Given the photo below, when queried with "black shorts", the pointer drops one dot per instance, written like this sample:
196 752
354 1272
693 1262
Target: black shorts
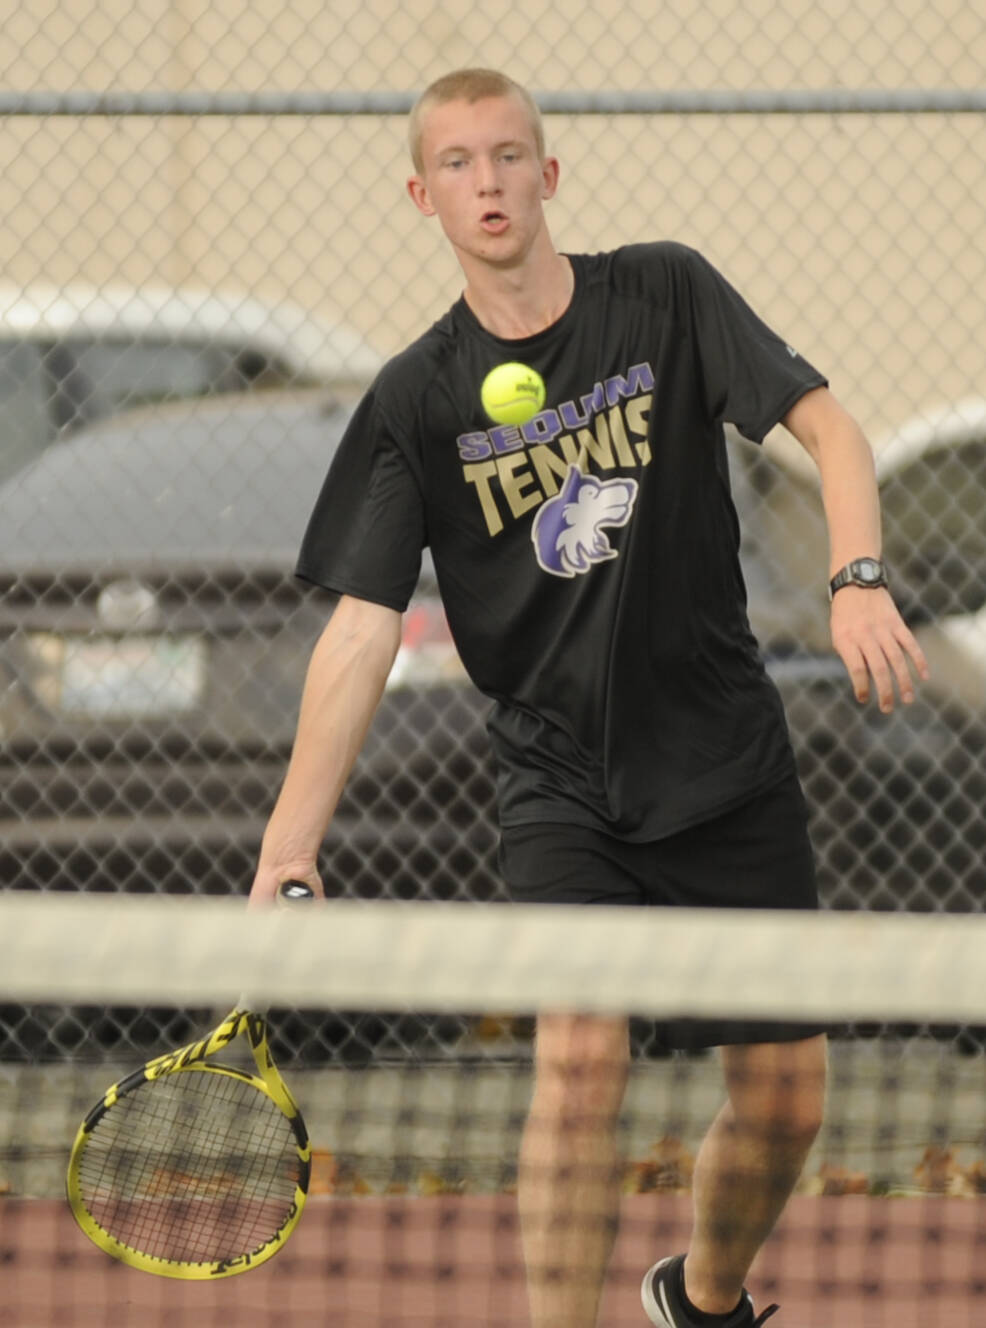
755 855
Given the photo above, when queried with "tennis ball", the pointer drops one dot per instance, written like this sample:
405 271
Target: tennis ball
512 393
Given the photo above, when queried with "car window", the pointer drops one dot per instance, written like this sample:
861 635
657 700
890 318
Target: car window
26 425
47 389
119 375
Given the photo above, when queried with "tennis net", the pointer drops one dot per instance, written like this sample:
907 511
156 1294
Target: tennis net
412 1215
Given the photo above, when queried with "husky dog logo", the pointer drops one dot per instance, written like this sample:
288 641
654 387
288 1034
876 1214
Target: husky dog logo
568 529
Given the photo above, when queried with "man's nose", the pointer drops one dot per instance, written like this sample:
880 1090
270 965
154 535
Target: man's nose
487 176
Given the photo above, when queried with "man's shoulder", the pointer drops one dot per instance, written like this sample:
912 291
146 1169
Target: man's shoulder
419 362
649 270
658 261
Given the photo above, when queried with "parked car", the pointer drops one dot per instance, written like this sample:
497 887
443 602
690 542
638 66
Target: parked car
75 354
896 802
897 806
932 477
153 644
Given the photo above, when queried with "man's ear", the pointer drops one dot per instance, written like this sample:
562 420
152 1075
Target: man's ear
418 191
550 170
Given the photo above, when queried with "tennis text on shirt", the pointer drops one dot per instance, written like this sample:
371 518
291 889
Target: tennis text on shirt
513 469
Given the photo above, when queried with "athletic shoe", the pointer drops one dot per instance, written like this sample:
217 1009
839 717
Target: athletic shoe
662 1296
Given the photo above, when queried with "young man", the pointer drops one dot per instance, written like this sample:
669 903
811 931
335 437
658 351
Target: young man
588 565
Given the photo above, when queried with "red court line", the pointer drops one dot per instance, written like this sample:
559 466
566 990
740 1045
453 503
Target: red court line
454 1262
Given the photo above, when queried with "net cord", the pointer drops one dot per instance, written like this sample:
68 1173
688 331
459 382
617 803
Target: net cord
471 958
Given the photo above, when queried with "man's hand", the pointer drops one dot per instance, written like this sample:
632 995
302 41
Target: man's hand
876 645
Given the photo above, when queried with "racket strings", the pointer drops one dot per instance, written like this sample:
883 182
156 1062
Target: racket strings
193 1167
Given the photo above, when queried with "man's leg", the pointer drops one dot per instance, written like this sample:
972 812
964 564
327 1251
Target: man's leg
750 1161
569 1175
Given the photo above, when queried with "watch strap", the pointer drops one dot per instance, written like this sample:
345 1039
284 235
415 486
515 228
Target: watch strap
869 573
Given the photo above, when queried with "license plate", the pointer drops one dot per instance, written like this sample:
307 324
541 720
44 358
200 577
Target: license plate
131 677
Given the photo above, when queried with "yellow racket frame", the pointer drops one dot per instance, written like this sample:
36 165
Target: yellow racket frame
193 1059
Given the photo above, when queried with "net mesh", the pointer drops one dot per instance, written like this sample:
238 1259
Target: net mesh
420 1147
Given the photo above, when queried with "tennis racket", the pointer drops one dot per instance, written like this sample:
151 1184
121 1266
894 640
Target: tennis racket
190 1168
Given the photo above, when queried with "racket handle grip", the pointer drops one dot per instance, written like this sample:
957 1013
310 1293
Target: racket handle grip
294 892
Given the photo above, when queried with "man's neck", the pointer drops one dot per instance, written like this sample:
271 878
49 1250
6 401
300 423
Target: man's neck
522 301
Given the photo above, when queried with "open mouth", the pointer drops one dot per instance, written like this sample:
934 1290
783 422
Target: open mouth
493 219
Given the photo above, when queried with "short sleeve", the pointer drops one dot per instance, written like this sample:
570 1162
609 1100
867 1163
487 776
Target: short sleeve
752 376
367 529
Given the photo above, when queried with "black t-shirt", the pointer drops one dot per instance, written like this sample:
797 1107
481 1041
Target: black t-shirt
587 560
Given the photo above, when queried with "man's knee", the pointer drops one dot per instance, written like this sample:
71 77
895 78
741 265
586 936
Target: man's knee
581 1065
779 1088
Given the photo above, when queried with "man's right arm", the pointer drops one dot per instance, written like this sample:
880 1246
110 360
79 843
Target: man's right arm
345 680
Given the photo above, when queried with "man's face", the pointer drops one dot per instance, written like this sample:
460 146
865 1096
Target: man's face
483 179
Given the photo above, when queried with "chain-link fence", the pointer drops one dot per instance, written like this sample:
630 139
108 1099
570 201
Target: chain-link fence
208 250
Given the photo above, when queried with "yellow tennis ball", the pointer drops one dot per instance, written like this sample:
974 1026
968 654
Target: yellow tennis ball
512 393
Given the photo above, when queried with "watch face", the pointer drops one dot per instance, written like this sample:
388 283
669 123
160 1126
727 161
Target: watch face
868 569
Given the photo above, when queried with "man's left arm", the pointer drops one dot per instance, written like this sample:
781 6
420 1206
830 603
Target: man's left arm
868 632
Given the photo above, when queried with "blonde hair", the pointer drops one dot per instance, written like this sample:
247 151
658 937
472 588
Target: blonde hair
470 85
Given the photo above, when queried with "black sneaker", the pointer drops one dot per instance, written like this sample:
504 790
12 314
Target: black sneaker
662 1296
